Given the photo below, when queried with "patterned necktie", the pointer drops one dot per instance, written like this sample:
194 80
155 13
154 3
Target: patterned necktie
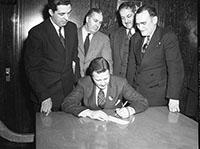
87 43
62 39
101 99
129 34
144 47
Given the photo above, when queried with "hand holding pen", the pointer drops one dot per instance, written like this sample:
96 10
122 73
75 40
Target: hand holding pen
123 112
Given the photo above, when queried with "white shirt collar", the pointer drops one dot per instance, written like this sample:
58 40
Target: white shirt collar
85 33
132 31
57 28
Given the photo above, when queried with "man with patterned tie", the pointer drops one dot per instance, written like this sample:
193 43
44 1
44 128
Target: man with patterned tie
51 50
120 38
100 91
92 42
62 38
155 66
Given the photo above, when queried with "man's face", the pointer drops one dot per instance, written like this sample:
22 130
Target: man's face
61 16
146 23
102 79
127 17
93 22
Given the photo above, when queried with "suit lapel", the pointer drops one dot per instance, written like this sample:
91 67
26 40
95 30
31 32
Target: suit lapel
138 44
67 38
92 50
92 99
111 91
153 42
108 90
80 39
53 36
122 38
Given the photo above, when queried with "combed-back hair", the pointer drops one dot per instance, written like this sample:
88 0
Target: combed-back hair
98 65
90 12
52 4
127 5
152 10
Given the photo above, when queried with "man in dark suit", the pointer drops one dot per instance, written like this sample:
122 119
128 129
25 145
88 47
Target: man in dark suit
51 50
101 91
119 38
155 66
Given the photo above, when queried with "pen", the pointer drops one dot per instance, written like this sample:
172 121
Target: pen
117 102
124 104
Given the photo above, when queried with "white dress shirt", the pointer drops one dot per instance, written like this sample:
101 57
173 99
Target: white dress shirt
85 33
132 31
57 28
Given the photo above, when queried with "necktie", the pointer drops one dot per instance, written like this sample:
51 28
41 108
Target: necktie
62 39
87 43
129 34
101 99
144 47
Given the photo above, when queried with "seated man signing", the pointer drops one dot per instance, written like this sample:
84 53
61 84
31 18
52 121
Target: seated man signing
100 91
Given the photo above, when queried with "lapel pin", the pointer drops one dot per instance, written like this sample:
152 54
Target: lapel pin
159 43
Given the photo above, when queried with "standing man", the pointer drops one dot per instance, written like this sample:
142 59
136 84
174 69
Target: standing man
50 51
101 91
119 39
92 42
155 66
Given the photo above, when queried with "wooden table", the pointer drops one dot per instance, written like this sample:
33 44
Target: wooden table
156 128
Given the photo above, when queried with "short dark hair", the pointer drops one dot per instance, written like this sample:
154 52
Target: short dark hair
52 4
127 5
152 10
98 65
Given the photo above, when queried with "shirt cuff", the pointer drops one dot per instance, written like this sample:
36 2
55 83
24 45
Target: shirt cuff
85 113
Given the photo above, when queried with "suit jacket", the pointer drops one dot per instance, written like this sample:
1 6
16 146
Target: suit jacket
119 39
83 96
99 47
48 64
159 74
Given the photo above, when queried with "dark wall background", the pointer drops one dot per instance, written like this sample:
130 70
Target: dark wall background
17 17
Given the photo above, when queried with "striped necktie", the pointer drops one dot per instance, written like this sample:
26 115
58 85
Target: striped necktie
129 34
145 45
62 39
101 99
